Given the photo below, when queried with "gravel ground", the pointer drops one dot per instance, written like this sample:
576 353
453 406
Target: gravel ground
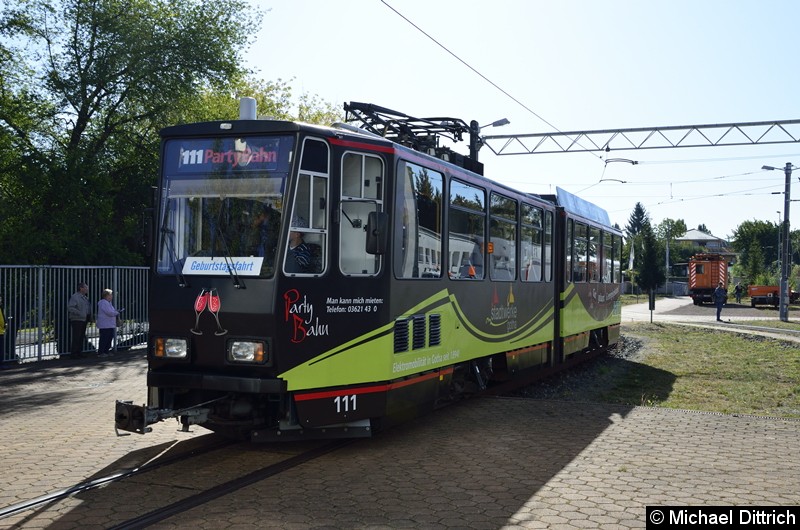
588 381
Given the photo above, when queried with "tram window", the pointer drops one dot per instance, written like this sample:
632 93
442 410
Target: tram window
608 257
467 231
315 156
222 198
531 244
592 255
579 248
503 247
418 222
548 246
309 221
362 177
570 249
617 246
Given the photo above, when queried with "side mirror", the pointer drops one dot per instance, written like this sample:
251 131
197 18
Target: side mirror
377 232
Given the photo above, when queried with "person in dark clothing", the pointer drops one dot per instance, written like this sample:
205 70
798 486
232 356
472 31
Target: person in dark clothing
80 313
720 297
737 291
299 257
2 333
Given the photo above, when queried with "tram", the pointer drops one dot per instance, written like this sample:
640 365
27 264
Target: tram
321 282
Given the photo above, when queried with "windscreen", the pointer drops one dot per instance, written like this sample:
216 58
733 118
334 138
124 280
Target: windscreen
222 203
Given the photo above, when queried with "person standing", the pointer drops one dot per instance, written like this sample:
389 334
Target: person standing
720 297
106 322
2 333
738 292
80 312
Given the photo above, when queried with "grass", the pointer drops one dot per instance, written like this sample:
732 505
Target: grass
706 370
793 325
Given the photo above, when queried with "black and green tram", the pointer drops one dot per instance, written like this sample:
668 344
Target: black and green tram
314 281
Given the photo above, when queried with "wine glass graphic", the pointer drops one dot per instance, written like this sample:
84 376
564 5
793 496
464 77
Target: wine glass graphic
214 306
200 306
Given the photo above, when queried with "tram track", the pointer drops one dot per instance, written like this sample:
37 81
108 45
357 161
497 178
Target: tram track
114 477
177 507
231 486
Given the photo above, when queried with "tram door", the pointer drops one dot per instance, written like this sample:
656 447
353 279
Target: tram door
361 193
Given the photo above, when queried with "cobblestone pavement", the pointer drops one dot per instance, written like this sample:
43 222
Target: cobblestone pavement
485 463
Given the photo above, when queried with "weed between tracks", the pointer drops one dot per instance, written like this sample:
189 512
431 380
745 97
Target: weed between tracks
673 366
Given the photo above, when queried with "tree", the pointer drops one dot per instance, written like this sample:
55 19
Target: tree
752 264
756 242
98 81
636 221
669 229
702 228
666 231
650 270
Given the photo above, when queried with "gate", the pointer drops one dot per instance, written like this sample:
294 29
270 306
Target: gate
35 307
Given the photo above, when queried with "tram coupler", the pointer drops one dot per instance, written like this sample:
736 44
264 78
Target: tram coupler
130 418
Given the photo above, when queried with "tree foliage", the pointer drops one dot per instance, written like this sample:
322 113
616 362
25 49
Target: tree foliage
752 264
90 85
636 221
650 270
756 242
669 229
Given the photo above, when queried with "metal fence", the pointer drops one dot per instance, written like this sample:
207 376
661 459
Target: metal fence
35 307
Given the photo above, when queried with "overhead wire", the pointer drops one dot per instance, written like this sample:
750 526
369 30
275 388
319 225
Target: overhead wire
541 118
465 63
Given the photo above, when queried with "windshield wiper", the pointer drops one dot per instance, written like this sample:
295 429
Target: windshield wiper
239 284
169 243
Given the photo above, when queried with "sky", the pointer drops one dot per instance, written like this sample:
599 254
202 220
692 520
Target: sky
576 65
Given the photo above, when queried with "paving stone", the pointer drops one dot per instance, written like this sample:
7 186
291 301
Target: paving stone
483 464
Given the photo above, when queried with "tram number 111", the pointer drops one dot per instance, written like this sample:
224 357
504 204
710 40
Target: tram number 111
345 403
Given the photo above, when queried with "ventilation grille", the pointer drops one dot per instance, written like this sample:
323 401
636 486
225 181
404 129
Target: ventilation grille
400 335
419 331
424 331
434 330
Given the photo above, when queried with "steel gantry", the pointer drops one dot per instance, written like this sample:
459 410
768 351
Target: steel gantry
711 135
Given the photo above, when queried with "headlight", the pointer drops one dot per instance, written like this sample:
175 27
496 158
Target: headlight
171 348
244 351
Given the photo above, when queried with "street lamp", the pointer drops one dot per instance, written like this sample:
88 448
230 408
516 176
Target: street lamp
475 140
784 252
497 123
779 248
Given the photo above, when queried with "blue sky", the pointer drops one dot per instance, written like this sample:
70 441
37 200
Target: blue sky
570 65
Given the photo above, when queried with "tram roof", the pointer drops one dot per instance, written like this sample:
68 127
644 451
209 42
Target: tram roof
577 206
